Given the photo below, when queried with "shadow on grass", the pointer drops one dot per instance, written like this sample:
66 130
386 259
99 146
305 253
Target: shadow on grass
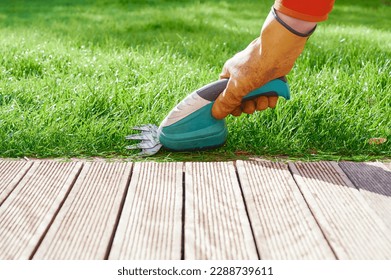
210 31
143 23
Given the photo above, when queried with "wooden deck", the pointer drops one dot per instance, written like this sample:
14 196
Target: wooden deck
195 210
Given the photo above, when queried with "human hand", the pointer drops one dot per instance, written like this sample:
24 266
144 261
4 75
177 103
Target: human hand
237 70
268 57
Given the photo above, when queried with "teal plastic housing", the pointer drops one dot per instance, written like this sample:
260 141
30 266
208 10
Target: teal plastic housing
200 130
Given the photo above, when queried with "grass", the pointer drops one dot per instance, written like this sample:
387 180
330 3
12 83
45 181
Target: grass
75 76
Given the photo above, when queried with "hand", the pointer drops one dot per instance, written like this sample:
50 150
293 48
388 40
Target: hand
268 57
235 65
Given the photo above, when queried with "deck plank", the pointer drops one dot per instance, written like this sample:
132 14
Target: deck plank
150 226
11 172
84 227
216 222
388 164
31 207
352 228
374 182
283 225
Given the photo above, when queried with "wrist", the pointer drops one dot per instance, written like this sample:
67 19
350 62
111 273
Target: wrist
297 26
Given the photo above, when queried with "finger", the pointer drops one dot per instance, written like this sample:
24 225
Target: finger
236 112
273 101
226 102
249 106
224 72
224 75
262 103
218 109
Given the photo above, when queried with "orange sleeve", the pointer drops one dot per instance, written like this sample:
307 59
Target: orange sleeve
308 10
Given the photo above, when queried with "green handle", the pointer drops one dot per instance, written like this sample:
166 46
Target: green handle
277 87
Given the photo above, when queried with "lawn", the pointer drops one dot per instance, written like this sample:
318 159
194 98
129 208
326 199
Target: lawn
76 75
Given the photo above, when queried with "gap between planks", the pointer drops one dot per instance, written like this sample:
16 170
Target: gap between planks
85 225
352 227
32 206
11 173
183 238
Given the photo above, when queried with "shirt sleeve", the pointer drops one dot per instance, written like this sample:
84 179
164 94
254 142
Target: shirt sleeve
308 10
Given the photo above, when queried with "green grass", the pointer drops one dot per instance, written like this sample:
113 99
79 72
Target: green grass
75 76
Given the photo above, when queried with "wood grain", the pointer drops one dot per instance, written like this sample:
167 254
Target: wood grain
11 172
374 182
283 226
85 225
151 221
194 210
29 210
352 228
216 222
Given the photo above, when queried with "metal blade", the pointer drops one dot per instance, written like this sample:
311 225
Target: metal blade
146 149
145 127
142 145
145 136
149 137
150 151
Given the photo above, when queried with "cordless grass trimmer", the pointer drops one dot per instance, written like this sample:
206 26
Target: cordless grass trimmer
190 125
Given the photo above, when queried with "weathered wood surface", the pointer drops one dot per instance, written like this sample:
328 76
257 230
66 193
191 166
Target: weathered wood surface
374 182
283 226
352 228
150 226
29 210
220 210
216 222
11 172
84 226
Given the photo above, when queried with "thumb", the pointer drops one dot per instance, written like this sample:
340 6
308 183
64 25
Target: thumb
226 102
224 73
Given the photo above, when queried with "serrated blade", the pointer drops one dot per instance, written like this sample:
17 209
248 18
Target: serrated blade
149 138
146 127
